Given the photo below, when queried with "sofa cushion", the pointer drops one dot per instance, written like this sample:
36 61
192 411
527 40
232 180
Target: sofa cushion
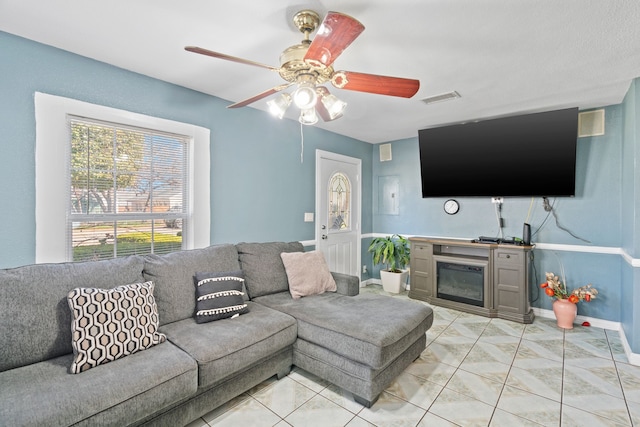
118 393
108 324
307 273
173 275
219 295
33 305
369 329
230 345
263 268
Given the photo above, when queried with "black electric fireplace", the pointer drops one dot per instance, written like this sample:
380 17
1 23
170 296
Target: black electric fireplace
461 280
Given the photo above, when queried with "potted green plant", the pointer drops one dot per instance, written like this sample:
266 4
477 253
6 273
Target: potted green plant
394 252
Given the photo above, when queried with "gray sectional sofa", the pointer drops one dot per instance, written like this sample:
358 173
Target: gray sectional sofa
358 342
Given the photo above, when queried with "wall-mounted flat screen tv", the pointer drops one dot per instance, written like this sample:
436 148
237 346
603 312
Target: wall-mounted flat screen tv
525 155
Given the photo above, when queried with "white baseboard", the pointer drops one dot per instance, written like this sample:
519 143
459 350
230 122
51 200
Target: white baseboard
598 323
364 283
634 358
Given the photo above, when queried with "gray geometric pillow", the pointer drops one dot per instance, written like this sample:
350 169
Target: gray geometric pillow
108 324
219 296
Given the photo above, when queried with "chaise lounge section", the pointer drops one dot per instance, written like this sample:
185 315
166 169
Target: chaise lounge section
358 342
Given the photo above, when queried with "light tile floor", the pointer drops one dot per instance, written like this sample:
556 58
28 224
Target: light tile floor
475 371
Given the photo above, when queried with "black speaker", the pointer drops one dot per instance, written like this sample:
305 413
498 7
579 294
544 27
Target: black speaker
526 234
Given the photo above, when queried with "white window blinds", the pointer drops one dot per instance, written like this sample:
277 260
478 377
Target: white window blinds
128 190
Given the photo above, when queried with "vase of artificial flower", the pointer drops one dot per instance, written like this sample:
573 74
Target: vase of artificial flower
565 312
565 306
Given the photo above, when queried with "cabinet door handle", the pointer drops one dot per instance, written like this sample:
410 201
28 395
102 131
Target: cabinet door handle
508 256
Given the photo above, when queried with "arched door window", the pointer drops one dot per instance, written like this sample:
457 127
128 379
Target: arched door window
339 202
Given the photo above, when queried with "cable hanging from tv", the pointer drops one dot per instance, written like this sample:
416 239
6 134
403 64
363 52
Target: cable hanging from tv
549 208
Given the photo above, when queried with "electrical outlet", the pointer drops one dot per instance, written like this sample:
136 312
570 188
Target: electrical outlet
498 200
364 269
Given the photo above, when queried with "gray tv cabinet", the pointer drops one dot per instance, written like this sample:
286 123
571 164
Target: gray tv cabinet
506 276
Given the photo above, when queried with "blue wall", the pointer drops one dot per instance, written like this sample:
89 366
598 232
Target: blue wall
630 216
597 201
260 189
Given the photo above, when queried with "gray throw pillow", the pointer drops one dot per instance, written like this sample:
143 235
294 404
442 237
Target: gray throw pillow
219 296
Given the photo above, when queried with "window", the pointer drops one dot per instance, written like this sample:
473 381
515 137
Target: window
111 183
128 190
339 202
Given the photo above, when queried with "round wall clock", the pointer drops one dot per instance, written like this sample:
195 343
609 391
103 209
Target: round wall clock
451 206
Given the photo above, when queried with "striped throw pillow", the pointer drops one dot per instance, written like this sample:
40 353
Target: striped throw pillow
219 296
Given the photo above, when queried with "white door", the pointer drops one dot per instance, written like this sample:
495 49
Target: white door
338 201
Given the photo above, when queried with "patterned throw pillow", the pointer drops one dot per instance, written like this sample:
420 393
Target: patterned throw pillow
108 324
219 295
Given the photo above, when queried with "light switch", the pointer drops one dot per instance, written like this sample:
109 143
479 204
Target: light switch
308 217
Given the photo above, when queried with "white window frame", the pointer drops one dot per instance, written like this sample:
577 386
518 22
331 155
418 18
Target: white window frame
52 170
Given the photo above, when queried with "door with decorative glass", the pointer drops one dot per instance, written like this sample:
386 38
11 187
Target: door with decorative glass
338 211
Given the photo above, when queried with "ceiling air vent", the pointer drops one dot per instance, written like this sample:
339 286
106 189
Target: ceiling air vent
442 97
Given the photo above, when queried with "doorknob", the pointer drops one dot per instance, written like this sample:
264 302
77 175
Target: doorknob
324 237
324 227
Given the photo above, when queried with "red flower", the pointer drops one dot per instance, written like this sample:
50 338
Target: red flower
544 285
587 297
549 292
574 299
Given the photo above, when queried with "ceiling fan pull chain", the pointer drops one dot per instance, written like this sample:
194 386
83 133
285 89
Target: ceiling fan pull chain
301 143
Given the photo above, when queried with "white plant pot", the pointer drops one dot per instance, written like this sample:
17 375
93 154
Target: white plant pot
393 282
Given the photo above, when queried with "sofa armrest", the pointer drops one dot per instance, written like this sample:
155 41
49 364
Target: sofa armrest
347 284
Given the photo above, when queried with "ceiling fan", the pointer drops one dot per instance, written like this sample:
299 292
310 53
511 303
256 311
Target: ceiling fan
309 64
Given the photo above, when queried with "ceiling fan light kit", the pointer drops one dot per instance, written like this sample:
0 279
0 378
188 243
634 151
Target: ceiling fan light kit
278 106
308 65
308 117
334 106
305 95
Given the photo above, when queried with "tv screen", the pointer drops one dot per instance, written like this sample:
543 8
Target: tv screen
526 155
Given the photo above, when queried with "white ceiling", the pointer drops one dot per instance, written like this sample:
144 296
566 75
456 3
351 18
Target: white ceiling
502 56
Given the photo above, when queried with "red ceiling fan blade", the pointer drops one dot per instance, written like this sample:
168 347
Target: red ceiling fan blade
334 35
259 96
202 51
373 83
